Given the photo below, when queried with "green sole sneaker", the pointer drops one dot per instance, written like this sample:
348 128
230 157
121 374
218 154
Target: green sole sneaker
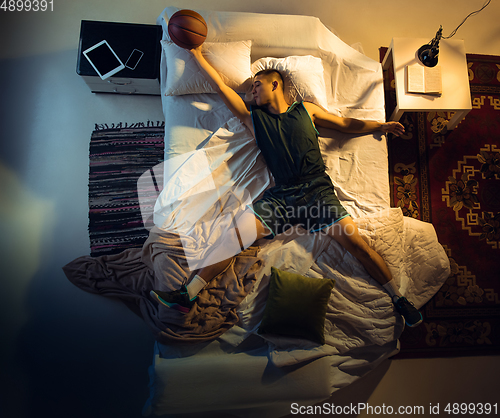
178 299
410 314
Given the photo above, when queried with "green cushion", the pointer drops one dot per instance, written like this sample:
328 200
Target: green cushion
296 306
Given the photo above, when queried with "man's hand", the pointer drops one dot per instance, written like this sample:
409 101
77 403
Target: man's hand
328 120
196 51
393 128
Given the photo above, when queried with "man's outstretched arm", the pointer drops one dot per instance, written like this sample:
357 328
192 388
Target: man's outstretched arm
231 99
325 119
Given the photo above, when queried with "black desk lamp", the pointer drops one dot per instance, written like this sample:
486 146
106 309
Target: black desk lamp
428 54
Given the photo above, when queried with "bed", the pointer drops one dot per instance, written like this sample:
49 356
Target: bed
212 167
361 326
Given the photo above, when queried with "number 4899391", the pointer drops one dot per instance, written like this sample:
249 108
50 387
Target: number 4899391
27 6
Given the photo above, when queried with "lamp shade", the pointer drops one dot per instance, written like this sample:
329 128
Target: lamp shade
428 55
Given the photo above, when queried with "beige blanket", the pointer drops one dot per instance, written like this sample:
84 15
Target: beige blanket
161 264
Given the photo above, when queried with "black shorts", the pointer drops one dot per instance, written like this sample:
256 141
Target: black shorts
313 205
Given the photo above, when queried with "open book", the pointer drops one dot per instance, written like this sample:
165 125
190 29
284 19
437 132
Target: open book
422 79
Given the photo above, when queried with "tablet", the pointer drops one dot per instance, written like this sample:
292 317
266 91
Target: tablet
104 60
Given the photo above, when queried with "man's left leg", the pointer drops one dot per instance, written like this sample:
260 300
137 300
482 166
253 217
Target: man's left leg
245 231
346 233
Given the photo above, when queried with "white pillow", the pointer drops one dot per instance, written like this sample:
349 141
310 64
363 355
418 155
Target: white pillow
303 76
230 59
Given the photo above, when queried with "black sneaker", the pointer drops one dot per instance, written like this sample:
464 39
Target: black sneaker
178 299
410 314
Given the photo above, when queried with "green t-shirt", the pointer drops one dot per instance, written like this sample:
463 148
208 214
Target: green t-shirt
289 143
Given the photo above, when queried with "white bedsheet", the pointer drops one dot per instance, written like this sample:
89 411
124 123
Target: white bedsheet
361 327
361 313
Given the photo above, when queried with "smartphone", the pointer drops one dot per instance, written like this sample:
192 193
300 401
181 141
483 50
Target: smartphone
134 59
103 59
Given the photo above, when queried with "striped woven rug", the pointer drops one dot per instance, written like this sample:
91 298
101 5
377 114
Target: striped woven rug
119 155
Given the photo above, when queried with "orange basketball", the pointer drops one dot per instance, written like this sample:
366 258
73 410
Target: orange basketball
187 29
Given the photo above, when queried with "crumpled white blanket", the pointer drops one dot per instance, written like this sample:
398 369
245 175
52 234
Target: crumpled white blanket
361 317
193 182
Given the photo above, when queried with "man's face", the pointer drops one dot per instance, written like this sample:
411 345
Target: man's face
262 90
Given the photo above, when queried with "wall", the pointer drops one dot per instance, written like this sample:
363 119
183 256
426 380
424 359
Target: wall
373 23
68 353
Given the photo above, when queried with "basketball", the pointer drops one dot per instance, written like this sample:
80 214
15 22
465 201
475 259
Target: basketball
187 29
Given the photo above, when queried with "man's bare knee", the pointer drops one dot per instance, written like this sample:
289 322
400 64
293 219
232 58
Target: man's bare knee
248 228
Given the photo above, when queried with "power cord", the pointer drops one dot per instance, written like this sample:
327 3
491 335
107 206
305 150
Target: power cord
463 21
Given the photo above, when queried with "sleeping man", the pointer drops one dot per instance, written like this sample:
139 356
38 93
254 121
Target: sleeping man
303 192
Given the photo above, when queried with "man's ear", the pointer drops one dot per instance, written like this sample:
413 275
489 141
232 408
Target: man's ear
275 85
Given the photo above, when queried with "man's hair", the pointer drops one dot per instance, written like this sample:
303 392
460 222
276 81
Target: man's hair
271 73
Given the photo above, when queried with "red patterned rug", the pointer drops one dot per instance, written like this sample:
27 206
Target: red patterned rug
452 179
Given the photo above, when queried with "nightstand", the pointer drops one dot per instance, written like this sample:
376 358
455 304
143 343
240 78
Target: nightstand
455 95
123 38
